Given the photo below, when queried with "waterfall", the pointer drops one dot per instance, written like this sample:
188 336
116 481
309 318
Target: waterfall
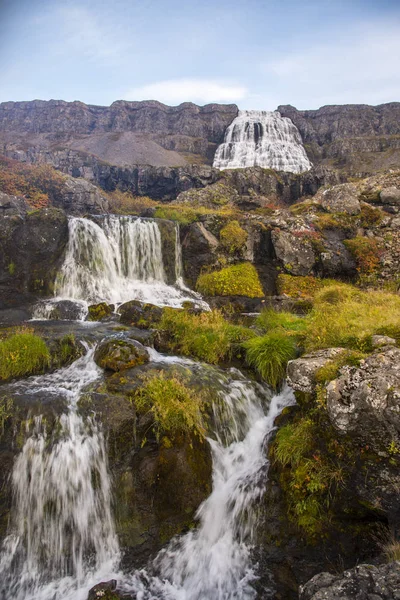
262 139
115 259
62 537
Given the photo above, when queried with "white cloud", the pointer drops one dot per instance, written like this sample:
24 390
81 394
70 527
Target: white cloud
360 66
175 91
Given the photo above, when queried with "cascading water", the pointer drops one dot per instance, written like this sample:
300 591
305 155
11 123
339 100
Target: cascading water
62 538
114 260
262 139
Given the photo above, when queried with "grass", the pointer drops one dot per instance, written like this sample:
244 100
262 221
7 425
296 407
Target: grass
301 287
287 322
236 280
125 203
22 354
330 370
176 408
185 215
206 336
270 354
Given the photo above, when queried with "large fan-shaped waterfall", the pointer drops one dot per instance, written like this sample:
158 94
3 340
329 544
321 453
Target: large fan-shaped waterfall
259 138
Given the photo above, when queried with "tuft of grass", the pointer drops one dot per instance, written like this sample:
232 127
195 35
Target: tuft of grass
233 237
236 280
206 336
270 354
176 408
22 354
391 550
291 324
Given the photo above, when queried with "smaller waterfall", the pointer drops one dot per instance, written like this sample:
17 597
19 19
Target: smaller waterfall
62 531
262 139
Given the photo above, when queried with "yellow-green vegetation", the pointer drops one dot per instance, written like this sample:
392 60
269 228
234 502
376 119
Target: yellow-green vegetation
125 203
309 478
176 408
391 550
185 214
344 315
97 312
206 336
301 208
22 354
233 237
236 280
270 354
301 287
11 268
6 411
366 252
331 369
284 321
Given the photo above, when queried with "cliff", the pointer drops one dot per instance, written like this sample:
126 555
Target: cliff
123 133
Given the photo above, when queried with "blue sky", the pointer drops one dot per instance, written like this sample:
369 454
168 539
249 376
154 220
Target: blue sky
256 53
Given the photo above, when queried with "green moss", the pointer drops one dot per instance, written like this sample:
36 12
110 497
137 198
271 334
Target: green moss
270 354
97 312
22 354
237 280
233 237
176 408
11 268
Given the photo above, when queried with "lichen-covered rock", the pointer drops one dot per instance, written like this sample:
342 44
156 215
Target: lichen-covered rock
301 371
365 582
365 401
98 312
138 314
294 253
117 353
341 198
336 260
390 196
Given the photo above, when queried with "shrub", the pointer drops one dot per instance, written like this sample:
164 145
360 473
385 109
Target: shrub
270 354
206 336
366 252
176 408
236 280
126 204
22 354
233 237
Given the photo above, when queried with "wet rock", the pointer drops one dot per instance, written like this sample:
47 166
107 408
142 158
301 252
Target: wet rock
60 310
138 314
107 590
341 198
117 353
365 582
365 401
301 371
99 312
294 253
198 250
390 196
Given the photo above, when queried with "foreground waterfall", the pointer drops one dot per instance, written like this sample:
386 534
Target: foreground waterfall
114 260
62 535
213 562
262 139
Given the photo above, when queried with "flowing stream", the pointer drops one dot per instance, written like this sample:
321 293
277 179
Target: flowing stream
259 138
62 537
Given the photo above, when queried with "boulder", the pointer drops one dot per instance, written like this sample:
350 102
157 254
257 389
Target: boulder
79 197
294 253
390 196
138 314
100 311
365 401
198 250
107 590
341 198
301 371
117 353
365 582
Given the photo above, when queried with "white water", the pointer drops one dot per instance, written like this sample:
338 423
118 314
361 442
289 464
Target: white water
62 538
258 138
115 260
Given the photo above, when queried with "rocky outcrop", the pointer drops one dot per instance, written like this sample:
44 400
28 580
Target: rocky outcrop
198 250
295 253
340 199
80 197
143 132
365 582
301 371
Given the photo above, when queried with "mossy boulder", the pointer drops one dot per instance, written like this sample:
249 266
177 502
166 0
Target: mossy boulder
236 280
138 314
99 312
119 353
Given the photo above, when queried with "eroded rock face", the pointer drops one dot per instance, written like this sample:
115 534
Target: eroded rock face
198 249
301 371
365 582
340 198
117 353
80 197
365 401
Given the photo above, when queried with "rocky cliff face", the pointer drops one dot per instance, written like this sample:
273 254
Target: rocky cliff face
359 137
138 132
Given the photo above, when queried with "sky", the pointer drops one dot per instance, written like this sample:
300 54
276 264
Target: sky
254 53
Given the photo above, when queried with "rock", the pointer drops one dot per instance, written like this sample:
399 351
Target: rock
365 582
336 260
107 590
198 250
99 312
301 371
59 310
294 253
12 205
143 316
365 401
80 197
117 353
382 340
390 196
340 198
